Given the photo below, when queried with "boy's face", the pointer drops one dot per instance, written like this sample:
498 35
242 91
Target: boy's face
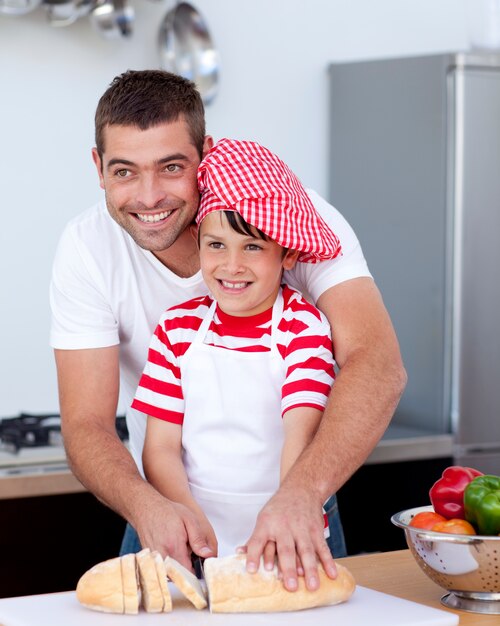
242 272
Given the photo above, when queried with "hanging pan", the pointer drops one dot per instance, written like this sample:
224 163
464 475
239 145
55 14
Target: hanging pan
186 48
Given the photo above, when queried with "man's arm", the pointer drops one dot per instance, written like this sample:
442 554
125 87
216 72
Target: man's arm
88 393
360 407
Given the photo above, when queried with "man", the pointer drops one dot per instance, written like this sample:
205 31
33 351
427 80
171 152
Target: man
121 263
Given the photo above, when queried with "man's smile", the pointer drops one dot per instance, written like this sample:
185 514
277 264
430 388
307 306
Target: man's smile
150 218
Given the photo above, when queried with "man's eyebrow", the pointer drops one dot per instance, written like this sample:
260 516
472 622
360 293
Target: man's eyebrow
119 161
167 159
173 157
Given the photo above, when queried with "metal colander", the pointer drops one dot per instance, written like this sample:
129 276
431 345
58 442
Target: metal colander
468 566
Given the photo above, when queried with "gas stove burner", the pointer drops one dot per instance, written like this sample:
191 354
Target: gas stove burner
29 431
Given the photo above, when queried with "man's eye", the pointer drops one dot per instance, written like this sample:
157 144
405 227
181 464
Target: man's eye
123 173
173 167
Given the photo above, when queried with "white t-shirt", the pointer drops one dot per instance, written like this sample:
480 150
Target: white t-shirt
106 290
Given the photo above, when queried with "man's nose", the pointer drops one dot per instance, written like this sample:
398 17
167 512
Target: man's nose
150 191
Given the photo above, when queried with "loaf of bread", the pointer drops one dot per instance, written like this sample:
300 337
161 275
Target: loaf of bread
122 584
231 589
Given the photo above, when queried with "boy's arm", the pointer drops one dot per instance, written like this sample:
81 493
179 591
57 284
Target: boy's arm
164 469
299 425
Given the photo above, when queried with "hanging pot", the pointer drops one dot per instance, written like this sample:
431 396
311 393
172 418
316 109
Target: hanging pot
66 12
18 7
113 18
187 49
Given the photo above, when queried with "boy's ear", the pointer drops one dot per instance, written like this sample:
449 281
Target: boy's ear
290 259
193 229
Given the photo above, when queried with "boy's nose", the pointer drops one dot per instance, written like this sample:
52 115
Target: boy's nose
234 263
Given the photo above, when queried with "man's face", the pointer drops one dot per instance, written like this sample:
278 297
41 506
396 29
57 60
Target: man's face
149 178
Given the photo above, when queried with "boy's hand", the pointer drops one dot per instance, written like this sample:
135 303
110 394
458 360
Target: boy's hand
291 527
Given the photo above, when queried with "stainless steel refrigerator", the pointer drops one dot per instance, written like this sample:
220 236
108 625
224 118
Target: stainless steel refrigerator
415 167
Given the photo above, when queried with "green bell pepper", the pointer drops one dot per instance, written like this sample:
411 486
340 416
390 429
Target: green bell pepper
482 504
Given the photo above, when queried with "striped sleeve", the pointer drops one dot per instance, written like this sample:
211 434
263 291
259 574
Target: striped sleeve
306 346
159 392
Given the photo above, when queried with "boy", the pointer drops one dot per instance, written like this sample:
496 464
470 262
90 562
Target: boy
236 382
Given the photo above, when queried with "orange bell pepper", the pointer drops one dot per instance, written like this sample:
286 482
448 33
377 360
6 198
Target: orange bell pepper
454 527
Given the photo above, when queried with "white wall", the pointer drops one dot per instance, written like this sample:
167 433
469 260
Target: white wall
273 89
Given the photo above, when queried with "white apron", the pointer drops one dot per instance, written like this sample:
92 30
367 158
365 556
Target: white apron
232 434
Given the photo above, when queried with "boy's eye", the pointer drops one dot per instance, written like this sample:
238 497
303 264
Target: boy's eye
254 246
215 244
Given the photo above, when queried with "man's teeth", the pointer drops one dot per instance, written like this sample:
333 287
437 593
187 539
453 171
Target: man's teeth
147 217
233 285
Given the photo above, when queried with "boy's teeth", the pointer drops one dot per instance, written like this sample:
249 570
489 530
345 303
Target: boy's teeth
147 217
233 285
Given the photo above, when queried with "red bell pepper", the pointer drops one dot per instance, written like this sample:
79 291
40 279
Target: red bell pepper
447 493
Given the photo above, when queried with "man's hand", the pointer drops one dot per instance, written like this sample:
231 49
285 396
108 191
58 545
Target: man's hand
291 527
174 531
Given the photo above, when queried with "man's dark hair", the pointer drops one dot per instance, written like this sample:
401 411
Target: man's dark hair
147 98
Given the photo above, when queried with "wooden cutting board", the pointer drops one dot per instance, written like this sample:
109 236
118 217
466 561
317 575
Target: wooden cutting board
365 607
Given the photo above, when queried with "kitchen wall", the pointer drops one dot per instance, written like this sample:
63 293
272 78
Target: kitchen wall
273 89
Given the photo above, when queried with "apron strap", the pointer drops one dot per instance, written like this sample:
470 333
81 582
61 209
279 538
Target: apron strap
277 315
205 324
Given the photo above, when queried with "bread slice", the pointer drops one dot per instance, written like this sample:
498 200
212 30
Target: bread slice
231 589
186 582
101 588
152 596
161 572
130 584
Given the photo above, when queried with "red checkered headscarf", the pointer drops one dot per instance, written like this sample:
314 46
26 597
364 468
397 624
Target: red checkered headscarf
245 177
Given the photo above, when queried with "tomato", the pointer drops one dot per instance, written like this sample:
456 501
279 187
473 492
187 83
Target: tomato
455 527
426 520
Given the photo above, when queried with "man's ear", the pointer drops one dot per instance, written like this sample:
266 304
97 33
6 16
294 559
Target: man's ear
98 163
290 259
208 144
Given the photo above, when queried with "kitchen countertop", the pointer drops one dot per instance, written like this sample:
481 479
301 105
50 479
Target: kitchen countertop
406 443
49 482
399 444
397 574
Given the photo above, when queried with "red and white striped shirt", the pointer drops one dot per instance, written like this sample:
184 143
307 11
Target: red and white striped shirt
303 340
